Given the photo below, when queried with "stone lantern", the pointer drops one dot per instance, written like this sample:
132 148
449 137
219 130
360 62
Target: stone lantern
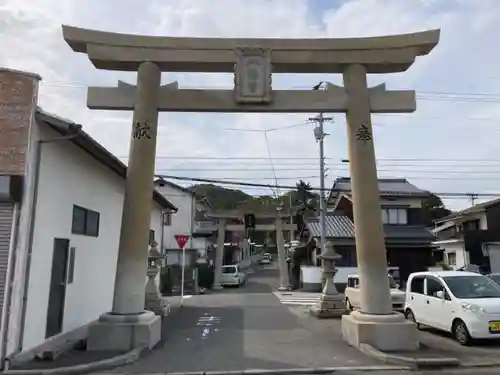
153 301
331 303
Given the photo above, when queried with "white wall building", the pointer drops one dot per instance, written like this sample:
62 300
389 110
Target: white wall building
450 232
64 240
187 220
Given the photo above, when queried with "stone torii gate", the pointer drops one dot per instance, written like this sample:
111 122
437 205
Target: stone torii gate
252 61
222 226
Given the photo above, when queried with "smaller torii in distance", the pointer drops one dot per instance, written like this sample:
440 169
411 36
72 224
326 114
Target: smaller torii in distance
222 226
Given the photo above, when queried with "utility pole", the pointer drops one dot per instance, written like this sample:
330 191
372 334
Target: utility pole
472 198
319 134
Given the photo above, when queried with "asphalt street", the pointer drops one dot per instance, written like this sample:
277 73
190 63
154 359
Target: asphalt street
246 328
473 371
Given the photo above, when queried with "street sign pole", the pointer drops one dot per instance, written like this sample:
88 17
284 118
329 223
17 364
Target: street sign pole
182 239
183 275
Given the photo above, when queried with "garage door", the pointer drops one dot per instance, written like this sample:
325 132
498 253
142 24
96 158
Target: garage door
6 211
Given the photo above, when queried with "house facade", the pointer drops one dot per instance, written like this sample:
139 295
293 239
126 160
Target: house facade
189 219
407 239
470 236
61 218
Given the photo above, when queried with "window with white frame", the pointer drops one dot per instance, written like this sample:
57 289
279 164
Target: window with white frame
394 216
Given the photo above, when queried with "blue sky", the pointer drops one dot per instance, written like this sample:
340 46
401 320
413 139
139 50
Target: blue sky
451 140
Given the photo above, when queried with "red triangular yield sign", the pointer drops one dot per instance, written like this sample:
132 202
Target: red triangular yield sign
181 239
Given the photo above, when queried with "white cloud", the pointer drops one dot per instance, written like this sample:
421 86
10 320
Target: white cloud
466 61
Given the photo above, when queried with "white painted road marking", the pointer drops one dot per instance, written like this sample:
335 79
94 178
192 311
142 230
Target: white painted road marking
207 321
298 298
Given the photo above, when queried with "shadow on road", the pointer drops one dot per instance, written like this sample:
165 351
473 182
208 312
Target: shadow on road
213 338
245 328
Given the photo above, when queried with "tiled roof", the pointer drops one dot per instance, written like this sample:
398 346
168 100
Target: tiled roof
387 186
336 226
407 232
477 208
340 226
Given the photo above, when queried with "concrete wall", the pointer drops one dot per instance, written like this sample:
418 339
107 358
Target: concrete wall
14 332
18 99
457 248
69 176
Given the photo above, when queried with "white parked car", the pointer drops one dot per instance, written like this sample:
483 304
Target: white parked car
232 276
264 260
353 297
464 303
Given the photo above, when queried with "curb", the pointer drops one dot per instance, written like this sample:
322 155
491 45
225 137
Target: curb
480 364
284 371
414 363
104 364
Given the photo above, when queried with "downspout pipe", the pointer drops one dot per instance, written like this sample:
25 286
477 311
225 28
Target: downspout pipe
162 233
38 160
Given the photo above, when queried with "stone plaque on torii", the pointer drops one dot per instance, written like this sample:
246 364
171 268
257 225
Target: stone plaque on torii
354 58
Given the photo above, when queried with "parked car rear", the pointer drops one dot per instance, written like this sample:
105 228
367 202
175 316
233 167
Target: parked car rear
265 258
268 255
353 297
232 276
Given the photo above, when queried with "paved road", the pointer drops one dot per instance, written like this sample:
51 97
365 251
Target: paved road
246 328
435 372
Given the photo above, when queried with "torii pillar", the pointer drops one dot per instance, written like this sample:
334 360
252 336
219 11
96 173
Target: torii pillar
129 325
376 323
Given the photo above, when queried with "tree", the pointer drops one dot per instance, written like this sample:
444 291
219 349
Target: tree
303 198
434 208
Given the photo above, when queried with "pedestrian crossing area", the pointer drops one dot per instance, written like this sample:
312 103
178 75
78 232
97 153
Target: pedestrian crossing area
297 298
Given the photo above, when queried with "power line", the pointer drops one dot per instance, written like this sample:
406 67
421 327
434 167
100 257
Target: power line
451 160
408 177
465 196
274 170
488 168
75 84
269 186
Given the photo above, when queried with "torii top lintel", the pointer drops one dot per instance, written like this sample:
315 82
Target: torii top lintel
125 52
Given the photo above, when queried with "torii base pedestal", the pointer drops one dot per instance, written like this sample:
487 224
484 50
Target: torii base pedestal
391 332
124 332
328 307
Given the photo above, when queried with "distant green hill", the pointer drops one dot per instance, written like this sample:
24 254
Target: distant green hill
221 198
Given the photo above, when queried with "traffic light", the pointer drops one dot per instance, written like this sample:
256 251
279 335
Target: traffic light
249 221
